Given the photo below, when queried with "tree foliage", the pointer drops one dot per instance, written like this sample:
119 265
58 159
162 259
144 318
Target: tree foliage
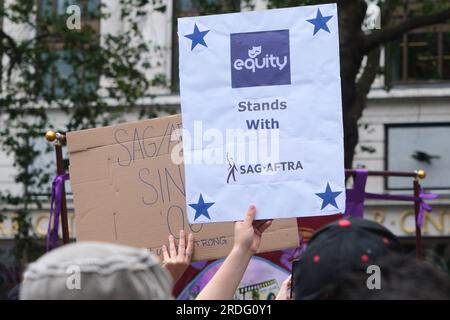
91 77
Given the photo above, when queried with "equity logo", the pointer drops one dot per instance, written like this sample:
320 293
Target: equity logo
253 63
254 52
260 59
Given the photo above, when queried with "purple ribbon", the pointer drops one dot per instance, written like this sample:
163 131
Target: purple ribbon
420 198
55 210
355 197
424 206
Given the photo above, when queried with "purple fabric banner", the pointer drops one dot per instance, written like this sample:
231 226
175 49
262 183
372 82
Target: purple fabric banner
357 195
55 210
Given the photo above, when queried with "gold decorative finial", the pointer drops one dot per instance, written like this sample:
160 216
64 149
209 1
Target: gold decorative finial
421 174
59 138
50 135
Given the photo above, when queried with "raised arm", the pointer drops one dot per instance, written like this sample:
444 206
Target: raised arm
247 238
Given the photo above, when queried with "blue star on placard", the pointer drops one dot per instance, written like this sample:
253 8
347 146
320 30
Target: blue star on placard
197 37
201 208
320 22
329 197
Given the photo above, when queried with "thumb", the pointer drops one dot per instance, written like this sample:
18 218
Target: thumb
250 216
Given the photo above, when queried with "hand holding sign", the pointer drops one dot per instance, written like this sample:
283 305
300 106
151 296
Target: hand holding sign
248 233
177 262
247 238
285 290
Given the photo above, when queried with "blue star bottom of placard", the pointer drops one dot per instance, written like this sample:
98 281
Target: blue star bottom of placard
328 197
201 208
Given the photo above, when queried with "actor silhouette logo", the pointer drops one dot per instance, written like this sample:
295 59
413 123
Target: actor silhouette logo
254 52
260 59
232 169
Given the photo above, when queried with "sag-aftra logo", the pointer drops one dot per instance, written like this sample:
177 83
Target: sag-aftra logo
260 59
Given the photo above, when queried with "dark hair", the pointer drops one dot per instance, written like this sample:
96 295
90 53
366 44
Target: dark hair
338 249
402 278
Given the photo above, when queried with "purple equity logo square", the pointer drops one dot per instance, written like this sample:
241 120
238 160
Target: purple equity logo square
260 59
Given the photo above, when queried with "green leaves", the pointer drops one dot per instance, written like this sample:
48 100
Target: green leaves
92 78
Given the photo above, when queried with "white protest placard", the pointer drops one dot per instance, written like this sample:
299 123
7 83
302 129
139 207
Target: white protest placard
262 116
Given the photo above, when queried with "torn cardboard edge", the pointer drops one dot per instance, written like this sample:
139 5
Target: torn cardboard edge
82 140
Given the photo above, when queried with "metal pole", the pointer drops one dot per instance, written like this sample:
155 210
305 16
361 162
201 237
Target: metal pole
59 141
419 173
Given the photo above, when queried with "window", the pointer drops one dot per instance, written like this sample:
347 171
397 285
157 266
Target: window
61 75
446 55
409 147
422 55
1 44
90 9
189 8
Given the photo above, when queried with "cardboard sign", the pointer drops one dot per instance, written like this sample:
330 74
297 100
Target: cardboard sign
127 190
261 105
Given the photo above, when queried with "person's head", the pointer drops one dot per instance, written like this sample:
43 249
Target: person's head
96 270
400 278
338 249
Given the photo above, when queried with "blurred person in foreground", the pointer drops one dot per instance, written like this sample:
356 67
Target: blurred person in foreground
343 258
338 249
111 271
401 278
